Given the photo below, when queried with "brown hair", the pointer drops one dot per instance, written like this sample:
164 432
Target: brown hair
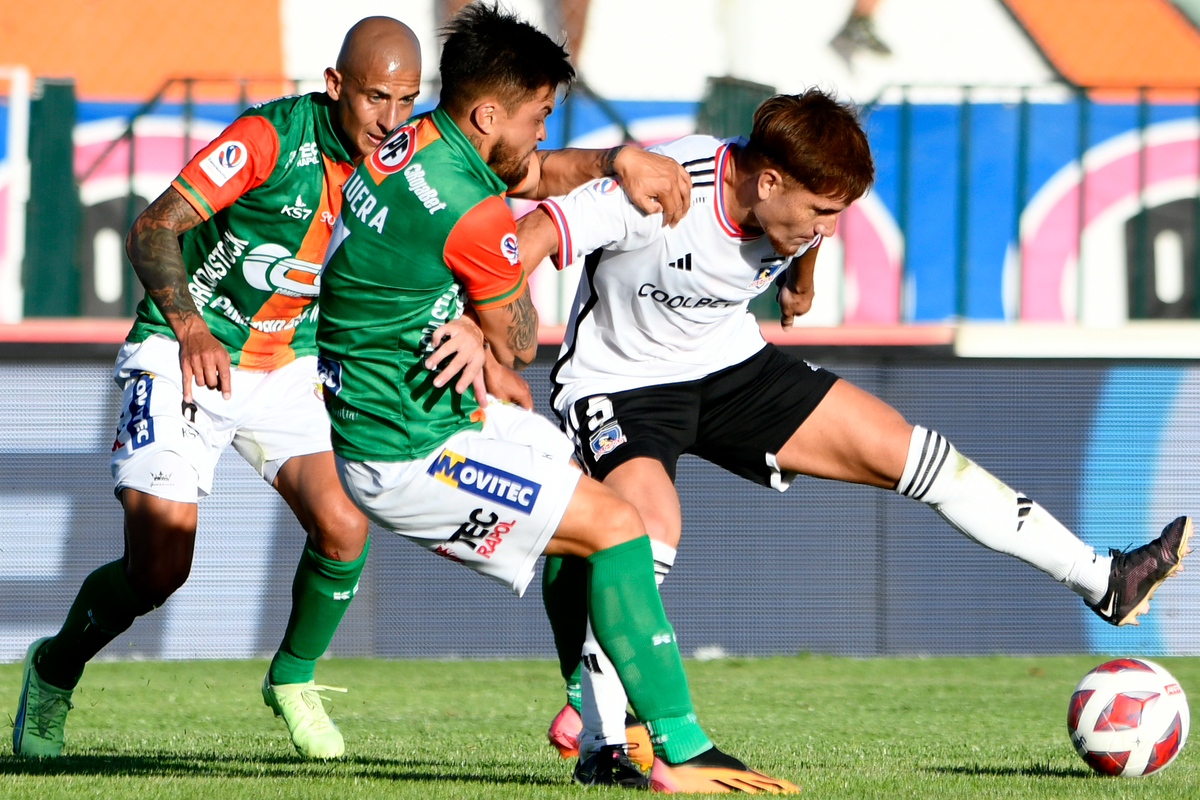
814 140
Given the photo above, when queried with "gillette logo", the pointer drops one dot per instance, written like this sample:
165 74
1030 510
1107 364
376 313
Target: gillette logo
480 479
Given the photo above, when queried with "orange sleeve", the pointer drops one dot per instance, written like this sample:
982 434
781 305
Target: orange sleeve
230 165
481 251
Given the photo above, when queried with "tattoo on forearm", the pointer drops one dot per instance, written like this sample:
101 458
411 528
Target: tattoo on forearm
153 249
609 165
522 332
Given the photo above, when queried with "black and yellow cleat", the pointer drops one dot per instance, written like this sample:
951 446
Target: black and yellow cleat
1136 574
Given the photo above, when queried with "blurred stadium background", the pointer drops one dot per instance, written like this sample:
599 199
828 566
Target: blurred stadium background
1025 277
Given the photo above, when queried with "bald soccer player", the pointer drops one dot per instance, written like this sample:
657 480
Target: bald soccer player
223 352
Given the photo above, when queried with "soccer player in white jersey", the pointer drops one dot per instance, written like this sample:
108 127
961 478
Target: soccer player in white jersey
662 357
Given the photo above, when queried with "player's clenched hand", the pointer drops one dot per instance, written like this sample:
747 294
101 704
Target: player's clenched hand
654 183
203 359
793 304
506 385
461 341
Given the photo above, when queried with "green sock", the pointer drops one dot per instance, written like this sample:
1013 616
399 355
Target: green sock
630 624
104 609
321 593
564 594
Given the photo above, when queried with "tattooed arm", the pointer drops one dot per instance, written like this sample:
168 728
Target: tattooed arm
153 248
511 331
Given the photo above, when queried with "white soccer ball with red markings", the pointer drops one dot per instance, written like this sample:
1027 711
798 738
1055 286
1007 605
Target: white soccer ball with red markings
1128 717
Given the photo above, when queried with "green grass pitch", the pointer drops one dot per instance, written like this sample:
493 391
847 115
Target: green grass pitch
938 727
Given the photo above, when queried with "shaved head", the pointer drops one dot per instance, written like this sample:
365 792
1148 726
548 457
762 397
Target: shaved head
376 81
379 40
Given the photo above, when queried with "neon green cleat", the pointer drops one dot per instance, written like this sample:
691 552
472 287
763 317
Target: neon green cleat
313 733
41 713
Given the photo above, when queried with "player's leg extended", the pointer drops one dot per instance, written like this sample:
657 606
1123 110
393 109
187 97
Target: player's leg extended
630 625
564 596
325 583
160 536
643 482
854 436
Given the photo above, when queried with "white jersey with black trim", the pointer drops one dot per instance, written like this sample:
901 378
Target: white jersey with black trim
658 305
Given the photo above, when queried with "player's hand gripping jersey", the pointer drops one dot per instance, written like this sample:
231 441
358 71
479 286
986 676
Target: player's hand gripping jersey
423 220
269 190
658 305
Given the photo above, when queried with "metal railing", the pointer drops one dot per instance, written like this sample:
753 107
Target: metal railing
188 102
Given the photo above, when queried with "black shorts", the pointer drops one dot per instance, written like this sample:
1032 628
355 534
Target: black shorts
738 418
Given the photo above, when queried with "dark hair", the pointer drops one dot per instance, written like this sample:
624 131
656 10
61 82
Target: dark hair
489 51
814 140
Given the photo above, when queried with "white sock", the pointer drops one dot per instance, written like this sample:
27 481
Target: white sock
982 508
604 700
664 559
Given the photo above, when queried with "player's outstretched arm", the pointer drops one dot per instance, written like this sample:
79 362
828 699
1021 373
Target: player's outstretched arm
511 331
153 249
653 182
796 293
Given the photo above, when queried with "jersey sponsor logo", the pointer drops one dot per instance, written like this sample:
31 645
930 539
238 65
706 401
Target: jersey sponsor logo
297 211
272 268
607 439
394 153
329 373
309 155
483 533
605 186
221 259
681 301
508 246
421 188
485 481
223 163
140 427
448 306
361 202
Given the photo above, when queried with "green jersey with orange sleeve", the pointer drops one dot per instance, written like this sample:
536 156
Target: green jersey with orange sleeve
269 191
424 228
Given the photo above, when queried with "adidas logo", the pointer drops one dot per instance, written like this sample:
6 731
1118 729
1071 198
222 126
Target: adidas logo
684 263
1024 506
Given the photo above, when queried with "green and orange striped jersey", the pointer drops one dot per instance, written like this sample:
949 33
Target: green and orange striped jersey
423 229
269 190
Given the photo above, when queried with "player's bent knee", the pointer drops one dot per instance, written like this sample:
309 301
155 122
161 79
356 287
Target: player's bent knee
339 531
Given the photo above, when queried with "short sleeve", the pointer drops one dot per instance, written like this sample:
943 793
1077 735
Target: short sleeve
598 215
481 251
238 160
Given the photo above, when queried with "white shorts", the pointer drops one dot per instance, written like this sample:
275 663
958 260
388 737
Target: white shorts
488 499
169 451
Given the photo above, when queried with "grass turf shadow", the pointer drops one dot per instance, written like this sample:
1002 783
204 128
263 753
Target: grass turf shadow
210 765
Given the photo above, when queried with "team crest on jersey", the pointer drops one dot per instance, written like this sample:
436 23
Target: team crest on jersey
607 439
396 150
485 481
606 185
508 246
223 163
766 274
272 268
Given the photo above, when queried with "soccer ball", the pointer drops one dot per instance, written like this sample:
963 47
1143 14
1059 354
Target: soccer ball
1128 717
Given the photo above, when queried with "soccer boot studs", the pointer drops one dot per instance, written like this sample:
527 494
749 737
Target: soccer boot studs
1136 574
41 713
